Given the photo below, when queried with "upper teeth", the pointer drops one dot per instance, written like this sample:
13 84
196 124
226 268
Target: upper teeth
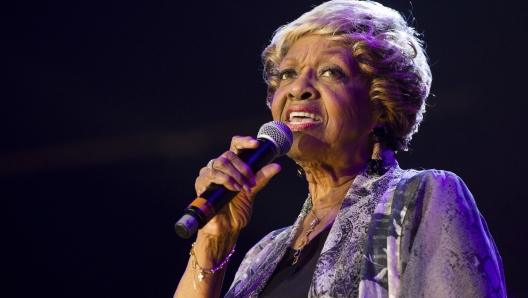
301 114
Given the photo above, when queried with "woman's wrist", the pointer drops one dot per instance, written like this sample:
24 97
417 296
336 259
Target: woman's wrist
211 250
203 271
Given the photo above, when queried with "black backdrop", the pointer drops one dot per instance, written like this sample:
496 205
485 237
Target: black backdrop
110 108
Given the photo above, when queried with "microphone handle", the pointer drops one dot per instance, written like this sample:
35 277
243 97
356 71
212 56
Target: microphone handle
216 196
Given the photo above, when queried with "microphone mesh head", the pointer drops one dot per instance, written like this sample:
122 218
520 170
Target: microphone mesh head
278 133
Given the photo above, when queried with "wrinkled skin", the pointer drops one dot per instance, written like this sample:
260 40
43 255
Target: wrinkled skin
322 98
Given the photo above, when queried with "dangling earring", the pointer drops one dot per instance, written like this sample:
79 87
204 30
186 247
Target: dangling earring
300 172
375 164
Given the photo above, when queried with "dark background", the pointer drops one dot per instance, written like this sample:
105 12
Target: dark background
110 108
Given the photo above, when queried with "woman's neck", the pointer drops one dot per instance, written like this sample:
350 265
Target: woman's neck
325 197
329 176
327 184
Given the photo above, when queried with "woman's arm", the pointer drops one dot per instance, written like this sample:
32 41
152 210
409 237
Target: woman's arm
210 252
453 253
217 238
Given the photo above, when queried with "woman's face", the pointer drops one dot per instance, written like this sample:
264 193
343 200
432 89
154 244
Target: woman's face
322 98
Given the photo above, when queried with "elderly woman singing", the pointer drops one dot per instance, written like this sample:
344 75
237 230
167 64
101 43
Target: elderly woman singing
350 79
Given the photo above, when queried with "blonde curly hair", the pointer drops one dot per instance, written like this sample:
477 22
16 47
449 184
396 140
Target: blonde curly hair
389 54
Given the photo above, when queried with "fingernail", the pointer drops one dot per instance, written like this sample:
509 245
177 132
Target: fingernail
247 188
236 186
254 142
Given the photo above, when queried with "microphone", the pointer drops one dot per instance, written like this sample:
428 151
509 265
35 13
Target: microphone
275 140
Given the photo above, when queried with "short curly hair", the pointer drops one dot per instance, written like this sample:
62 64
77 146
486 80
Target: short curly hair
389 54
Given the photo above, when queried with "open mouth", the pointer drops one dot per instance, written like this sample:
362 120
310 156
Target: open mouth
301 117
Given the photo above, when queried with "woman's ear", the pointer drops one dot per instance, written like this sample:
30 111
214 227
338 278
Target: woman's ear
379 117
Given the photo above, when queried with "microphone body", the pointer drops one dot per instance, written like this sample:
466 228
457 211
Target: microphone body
275 141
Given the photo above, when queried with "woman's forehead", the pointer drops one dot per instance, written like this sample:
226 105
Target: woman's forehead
316 48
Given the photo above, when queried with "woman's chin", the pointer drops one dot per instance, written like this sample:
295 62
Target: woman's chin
307 147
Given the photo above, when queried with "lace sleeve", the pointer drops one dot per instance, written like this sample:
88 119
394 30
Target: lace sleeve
453 254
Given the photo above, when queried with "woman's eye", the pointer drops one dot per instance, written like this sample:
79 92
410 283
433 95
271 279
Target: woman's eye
287 74
331 72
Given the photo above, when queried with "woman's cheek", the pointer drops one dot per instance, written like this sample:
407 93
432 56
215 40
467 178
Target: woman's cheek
276 108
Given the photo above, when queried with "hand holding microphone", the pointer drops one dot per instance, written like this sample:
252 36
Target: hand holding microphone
233 179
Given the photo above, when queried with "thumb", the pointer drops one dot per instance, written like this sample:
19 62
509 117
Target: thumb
265 174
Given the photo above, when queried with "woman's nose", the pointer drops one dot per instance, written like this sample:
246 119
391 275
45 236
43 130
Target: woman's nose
302 88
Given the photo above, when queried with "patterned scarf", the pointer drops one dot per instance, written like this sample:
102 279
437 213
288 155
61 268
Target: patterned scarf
338 270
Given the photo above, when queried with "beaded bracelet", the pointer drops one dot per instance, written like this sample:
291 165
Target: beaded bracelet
207 271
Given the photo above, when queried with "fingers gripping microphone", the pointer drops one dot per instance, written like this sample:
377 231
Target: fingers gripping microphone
275 140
